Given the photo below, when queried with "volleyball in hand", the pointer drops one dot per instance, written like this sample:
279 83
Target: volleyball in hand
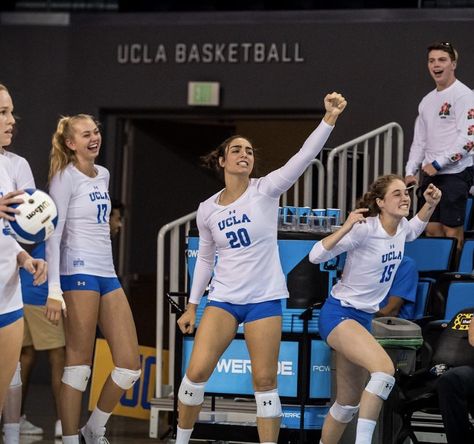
37 219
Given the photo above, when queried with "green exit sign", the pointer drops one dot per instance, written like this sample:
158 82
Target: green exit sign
203 93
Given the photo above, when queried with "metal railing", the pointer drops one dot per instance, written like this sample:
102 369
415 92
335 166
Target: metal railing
176 229
373 155
366 152
307 188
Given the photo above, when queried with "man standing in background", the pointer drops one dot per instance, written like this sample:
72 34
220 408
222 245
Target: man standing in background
442 144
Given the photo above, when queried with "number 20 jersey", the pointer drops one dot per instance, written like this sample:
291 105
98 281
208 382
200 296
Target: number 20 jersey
244 234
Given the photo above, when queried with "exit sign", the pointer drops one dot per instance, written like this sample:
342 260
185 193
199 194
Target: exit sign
203 93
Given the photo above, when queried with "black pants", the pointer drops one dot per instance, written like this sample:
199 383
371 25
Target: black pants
456 395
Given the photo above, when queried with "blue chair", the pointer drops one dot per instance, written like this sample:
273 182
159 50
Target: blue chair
422 294
433 255
466 261
453 291
469 219
460 294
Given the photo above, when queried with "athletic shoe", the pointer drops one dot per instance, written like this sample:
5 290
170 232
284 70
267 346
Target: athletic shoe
58 429
89 437
27 428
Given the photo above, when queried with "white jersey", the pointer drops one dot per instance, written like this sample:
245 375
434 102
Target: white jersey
10 290
81 242
373 257
21 172
444 130
244 233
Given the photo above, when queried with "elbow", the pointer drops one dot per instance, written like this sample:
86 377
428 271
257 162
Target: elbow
313 257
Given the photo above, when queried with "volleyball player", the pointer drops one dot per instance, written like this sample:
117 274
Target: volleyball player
374 246
240 223
39 333
80 255
12 256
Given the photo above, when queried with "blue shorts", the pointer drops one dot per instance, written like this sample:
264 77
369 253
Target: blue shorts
10 318
101 285
333 313
250 312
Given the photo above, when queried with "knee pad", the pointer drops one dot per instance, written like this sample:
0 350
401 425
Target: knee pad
380 384
191 393
343 413
16 380
268 404
77 376
124 377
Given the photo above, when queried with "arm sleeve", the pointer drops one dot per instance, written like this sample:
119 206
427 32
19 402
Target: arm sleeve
24 176
415 227
350 241
205 260
464 112
60 190
280 180
417 149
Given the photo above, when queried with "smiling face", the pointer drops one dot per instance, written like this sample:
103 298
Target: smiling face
239 157
396 201
441 68
7 121
86 139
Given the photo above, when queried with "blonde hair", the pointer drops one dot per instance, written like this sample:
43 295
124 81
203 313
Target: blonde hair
61 155
377 190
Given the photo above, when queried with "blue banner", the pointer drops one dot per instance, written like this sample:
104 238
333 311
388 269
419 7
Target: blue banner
233 373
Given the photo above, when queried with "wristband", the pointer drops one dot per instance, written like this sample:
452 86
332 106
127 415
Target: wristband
436 165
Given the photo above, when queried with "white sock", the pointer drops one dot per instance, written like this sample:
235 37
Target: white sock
183 435
70 439
365 430
11 433
97 420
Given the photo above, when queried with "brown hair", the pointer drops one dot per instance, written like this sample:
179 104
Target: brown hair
446 47
61 156
211 160
4 88
377 190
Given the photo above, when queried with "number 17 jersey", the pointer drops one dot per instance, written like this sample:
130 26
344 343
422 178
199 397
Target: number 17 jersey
81 242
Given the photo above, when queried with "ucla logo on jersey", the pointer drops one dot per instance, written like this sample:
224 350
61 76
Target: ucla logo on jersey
78 262
232 220
391 256
98 195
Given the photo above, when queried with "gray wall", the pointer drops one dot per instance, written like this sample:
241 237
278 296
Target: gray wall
376 58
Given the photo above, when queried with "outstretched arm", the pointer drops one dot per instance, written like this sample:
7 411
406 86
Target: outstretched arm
432 197
341 240
280 180
418 223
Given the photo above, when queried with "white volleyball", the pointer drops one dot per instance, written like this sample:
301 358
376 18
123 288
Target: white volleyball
37 219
